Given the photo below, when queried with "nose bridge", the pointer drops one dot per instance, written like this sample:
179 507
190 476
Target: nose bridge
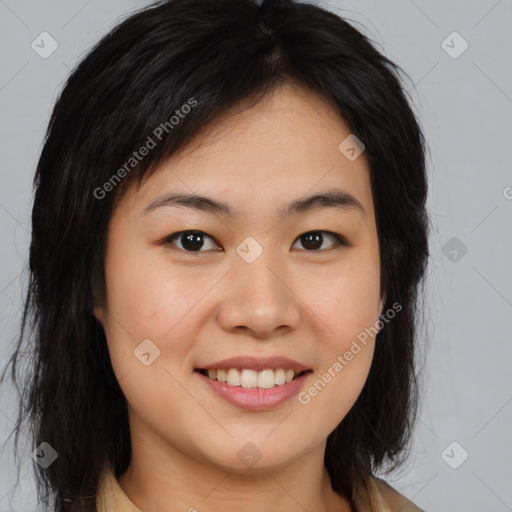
258 297
260 280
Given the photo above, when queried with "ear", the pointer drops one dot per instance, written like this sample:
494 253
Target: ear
381 304
97 311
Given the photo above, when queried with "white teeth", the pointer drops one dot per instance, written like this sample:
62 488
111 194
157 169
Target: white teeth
248 379
233 377
279 377
265 379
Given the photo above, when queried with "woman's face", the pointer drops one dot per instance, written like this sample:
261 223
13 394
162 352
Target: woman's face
260 279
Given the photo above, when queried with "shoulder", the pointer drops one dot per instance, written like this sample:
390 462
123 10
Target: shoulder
393 499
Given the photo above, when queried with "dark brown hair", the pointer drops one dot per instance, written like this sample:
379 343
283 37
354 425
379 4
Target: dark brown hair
219 53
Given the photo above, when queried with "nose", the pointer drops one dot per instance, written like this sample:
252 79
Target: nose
259 299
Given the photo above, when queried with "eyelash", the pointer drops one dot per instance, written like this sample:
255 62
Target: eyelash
339 241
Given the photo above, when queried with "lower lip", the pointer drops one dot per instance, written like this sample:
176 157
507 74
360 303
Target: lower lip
256 399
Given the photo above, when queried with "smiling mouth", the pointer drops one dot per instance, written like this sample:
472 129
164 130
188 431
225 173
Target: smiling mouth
247 378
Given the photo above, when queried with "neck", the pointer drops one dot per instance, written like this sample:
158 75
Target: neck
162 478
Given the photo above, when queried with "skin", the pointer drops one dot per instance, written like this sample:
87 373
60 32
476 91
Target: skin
201 307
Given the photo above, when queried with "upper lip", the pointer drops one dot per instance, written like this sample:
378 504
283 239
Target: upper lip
256 363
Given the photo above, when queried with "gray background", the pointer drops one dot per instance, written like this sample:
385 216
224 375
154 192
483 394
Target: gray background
464 104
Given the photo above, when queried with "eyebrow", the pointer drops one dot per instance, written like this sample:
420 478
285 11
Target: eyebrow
334 198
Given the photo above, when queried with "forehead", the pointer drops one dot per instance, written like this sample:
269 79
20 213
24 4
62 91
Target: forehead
264 155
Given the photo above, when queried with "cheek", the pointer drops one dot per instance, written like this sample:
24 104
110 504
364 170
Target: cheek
346 299
148 301
347 303
147 294
346 357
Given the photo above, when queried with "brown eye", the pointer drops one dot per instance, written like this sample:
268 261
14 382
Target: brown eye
196 241
313 240
191 241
